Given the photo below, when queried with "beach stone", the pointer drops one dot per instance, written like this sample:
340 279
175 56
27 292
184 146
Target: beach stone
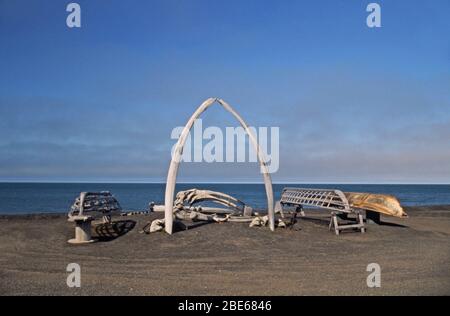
265 220
281 224
157 225
257 221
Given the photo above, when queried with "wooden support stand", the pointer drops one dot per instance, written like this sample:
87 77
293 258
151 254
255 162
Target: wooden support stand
337 228
299 209
82 229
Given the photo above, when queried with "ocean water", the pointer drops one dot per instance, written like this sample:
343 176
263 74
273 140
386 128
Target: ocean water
24 198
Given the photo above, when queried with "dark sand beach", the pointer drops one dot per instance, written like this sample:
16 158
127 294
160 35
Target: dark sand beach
228 258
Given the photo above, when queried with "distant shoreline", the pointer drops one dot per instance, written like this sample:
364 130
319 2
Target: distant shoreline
221 182
32 198
445 207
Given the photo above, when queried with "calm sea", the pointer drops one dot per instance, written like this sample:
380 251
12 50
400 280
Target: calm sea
21 198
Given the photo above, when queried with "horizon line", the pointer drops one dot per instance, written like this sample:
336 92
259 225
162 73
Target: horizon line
216 182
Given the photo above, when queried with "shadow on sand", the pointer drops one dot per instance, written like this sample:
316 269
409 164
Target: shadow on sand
382 223
110 231
326 221
179 226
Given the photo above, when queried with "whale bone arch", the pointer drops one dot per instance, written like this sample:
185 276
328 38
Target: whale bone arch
176 158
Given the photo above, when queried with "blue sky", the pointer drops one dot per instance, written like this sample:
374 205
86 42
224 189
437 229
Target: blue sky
353 104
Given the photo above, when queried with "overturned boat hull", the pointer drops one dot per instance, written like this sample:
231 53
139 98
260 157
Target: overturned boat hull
345 202
381 203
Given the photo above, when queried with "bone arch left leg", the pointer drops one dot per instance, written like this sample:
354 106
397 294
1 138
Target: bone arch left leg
176 158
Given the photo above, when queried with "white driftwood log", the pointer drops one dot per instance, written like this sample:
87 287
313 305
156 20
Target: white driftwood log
203 209
240 219
221 219
182 215
158 208
196 216
177 154
212 210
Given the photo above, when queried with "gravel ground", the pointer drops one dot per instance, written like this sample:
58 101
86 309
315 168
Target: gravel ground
228 258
